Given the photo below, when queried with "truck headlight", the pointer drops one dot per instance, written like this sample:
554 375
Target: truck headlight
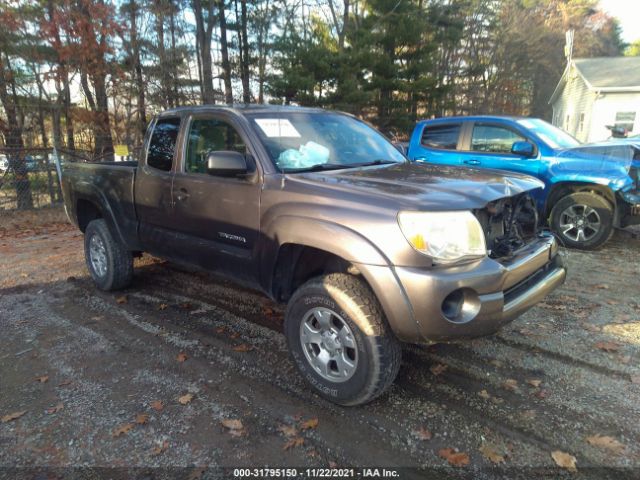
447 237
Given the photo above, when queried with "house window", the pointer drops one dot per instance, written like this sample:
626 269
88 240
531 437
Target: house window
626 120
581 123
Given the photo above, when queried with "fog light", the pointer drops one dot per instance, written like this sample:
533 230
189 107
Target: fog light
461 306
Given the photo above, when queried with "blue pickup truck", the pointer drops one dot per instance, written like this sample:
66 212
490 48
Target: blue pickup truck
589 188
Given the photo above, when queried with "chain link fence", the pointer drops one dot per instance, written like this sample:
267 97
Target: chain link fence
29 178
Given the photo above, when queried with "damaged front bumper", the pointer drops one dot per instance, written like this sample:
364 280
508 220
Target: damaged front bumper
469 300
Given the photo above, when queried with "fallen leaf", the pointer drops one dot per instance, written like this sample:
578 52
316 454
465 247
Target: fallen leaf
333 464
232 424
186 398
534 382
122 300
157 405
288 431
161 448
42 379
235 427
510 384
122 429
294 442
242 348
484 394
142 418
455 458
438 369
422 434
163 306
13 416
608 346
564 460
489 452
186 306
602 286
55 409
182 357
606 442
220 330
234 335
309 424
65 383
542 394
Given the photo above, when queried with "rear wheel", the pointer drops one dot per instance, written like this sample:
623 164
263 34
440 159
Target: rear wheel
583 220
109 262
340 341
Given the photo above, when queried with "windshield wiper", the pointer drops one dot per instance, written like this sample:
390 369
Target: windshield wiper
317 168
374 162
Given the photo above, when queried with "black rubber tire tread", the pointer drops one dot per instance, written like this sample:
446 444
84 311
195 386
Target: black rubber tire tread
597 202
354 295
119 259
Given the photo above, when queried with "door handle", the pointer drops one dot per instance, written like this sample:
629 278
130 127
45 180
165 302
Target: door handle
182 195
473 161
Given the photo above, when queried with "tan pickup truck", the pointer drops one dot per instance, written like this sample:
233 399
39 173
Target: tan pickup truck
318 210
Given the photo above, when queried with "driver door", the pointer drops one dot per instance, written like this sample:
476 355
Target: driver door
217 218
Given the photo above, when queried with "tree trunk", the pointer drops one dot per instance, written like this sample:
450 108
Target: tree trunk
243 48
137 66
204 32
224 52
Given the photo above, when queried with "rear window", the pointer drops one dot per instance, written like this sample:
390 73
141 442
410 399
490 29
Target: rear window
163 143
444 137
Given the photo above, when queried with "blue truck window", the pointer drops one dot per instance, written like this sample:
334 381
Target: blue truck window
493 139
444 137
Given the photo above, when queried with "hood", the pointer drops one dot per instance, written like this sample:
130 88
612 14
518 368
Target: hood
420 186
607 163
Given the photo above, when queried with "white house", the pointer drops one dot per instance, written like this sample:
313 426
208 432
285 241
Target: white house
596 92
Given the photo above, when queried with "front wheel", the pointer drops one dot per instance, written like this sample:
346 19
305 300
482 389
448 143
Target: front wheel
583 220
109 262
340 340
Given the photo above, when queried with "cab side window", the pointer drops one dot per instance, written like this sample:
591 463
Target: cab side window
163 143
210 135
493 139
444 137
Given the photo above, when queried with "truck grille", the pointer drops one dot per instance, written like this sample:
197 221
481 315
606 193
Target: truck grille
509 224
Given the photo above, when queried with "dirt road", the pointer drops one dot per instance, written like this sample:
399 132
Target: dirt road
159 375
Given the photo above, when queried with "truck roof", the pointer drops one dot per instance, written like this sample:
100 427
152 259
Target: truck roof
474 117
240 109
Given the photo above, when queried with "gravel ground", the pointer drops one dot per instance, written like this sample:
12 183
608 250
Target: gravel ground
159 375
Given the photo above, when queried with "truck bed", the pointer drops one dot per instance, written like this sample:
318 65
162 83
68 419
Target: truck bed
107 184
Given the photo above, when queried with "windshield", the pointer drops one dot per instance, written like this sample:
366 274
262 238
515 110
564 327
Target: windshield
552 136
299 141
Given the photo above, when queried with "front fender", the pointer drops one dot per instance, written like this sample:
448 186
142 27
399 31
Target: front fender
351 246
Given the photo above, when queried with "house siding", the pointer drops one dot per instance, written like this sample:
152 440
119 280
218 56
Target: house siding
605 108
572 108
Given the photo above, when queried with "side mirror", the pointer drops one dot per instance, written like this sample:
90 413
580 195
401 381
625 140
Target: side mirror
226 163
524 149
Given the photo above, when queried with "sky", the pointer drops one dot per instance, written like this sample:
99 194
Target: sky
628 13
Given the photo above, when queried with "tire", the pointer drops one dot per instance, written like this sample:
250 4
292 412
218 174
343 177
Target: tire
367 343
596 214
108 261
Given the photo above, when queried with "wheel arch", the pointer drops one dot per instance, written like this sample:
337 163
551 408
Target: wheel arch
562 189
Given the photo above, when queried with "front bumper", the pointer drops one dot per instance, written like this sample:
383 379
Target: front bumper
470 300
